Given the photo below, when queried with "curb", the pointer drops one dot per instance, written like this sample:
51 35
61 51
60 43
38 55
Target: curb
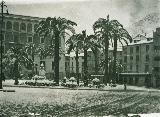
113 90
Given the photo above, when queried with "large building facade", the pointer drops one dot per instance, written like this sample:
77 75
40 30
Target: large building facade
19 30
137 56
156 57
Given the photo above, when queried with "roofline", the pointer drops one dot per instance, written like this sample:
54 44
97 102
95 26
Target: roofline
22 16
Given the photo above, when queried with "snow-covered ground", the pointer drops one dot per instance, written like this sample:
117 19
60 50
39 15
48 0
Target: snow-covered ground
146 115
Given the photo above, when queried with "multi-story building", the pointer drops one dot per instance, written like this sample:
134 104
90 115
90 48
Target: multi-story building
73 62
138 61
19 30
156 57
91 61
137 56
119 55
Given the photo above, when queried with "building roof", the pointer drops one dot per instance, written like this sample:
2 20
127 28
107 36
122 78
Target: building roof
140 39
141 42
23 17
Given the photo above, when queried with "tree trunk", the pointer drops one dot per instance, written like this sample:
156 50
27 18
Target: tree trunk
106 78
114 60
96 60
85 68
1 87
110 69
56 57
77 66
33 64
16 72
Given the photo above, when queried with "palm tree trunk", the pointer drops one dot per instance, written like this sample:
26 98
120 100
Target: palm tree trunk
85 68
56 57
33 64
96 60
16 72
106 78
77 66
110 69
114 60
1 83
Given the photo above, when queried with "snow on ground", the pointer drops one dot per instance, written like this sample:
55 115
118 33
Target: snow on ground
146 115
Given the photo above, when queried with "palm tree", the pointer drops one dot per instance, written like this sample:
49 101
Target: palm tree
104 28
120 35
95 47
31 50
14 59
55 28
75 43
82 42
118 67
89 41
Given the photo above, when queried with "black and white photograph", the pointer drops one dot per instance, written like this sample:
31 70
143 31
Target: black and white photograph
79 58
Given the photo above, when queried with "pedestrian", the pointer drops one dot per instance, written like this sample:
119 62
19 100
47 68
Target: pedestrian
125 86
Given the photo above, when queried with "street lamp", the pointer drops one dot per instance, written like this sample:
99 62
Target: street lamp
2 4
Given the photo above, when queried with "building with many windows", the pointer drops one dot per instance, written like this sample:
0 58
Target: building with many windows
137 56
156 57
138 61
73 63
19 30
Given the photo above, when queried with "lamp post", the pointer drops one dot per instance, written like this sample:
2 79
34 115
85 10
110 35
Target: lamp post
2 4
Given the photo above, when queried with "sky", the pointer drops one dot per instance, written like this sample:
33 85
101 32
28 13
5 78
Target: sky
86 12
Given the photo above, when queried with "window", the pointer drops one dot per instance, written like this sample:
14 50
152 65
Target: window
156 48
137 68
30 39
16 38
121 53
66 64
9 25
131 50
156 69
157 58
52 65
147 48
131 67
125 50
137 49
137 58
23 26
3 37
125 68
131 58
3 25
147 57
146 68
125 59
16 26
41 40
120 61
29 27
72 64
